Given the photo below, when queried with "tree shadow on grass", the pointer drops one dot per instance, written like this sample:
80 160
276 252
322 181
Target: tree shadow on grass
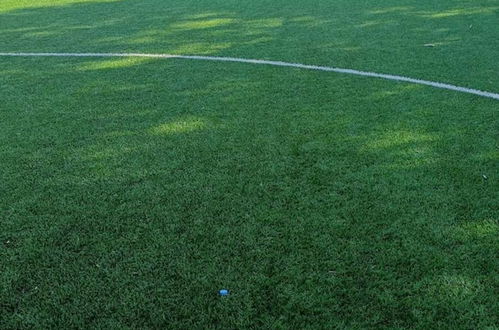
132 193
375 37
149 185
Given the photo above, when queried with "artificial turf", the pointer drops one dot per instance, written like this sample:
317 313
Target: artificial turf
132 190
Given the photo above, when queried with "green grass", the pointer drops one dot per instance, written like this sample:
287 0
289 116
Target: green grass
132 190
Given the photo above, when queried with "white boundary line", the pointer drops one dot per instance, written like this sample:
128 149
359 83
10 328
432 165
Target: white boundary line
274 63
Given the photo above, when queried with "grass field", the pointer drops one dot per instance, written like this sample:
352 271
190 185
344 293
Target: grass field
132 190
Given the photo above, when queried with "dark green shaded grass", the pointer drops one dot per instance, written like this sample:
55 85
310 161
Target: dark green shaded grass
131 195
131 191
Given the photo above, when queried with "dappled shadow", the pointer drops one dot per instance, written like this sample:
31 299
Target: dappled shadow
314 196
373 37
160 180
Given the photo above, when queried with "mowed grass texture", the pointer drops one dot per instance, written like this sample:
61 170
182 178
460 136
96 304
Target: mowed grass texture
132 190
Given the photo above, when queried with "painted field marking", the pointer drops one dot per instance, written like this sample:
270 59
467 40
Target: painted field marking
274 63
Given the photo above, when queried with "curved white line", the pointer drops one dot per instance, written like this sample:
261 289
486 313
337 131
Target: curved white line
275 63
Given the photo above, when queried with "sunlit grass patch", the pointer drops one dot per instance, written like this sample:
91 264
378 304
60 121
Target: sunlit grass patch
114 63
10 5
461 12
180 126
479 229
202 24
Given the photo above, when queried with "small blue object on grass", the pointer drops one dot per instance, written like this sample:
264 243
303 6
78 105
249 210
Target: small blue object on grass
223 292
